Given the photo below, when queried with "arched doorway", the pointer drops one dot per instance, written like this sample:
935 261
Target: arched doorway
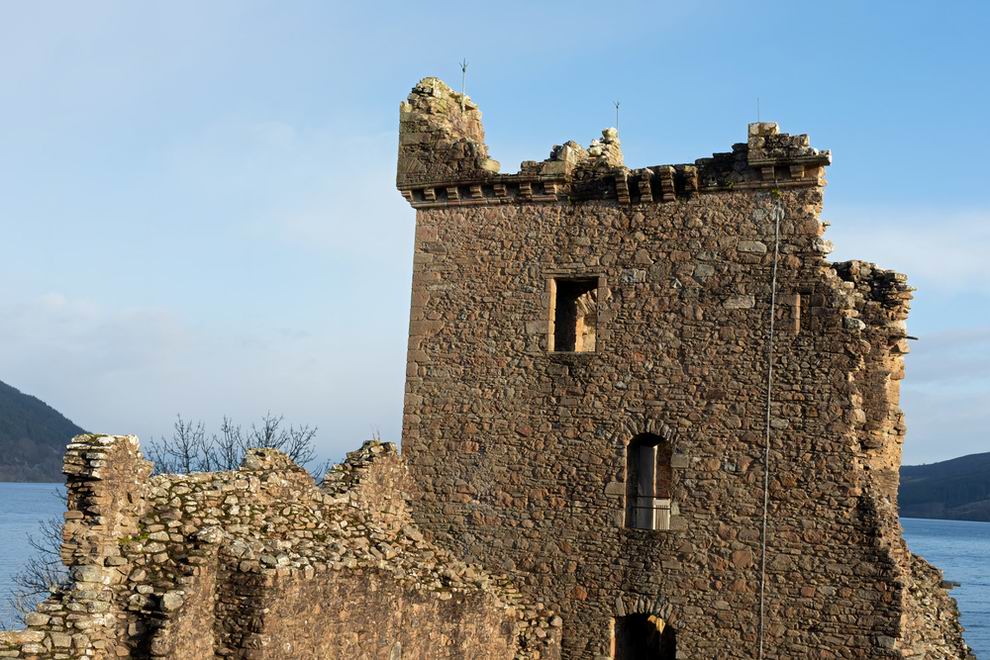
644 637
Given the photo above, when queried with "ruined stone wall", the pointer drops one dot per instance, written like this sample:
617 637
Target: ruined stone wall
930 625
262 563
519 452
442 137
105 486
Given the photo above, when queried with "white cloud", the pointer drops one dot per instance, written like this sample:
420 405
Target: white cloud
327 188
946 395
279 274
77 338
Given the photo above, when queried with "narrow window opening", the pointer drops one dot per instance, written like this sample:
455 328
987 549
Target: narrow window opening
644 637
574 315
648 483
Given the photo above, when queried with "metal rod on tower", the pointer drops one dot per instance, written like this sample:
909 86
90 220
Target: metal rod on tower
616 104
464 64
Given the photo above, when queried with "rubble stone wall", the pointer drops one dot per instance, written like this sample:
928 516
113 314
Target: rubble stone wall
518 452
262 563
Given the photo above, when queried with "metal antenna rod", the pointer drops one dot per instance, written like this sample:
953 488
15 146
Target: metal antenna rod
464 64
616 104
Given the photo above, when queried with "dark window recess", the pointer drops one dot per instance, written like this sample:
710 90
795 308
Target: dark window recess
575 314
648 482
644 637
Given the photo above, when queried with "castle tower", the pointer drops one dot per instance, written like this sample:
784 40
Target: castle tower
648 396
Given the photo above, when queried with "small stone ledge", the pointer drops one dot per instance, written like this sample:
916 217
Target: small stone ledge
653 185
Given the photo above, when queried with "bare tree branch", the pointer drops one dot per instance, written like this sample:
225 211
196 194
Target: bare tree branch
44 572
190 449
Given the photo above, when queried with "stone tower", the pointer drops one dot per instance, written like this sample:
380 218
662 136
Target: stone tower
648 396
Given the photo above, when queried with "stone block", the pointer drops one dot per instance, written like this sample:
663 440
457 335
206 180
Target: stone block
751 247
746 301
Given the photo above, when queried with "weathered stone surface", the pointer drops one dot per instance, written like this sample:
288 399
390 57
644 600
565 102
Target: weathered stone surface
740 302
683 257
752 247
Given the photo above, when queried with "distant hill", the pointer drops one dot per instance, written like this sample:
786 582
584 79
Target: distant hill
33 436
957 489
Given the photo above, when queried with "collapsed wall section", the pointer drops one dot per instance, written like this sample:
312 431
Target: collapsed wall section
879 298
262 563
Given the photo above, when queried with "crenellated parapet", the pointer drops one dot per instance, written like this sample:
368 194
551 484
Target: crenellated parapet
780 155
443 161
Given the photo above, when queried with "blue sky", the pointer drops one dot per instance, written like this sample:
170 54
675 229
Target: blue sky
198 212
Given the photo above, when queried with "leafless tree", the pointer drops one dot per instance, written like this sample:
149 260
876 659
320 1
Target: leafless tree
44 572
296 443
186 451
226 449
190 449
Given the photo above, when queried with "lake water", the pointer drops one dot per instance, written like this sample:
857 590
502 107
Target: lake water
23 507
961 549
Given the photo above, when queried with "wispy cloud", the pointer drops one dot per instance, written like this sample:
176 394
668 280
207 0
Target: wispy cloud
946 395
329 188
77 339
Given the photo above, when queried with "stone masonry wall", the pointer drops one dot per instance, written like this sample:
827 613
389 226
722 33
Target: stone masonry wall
105 487
930 619
519 452
262 563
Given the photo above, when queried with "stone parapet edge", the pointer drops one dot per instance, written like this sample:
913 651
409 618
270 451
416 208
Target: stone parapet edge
664 183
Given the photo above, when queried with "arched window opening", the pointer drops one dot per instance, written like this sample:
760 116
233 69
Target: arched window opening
644 637
648 483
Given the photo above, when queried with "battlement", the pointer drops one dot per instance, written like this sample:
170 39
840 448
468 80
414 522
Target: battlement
444 161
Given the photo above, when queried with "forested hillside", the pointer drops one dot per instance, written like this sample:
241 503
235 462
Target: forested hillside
957 489
33 436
